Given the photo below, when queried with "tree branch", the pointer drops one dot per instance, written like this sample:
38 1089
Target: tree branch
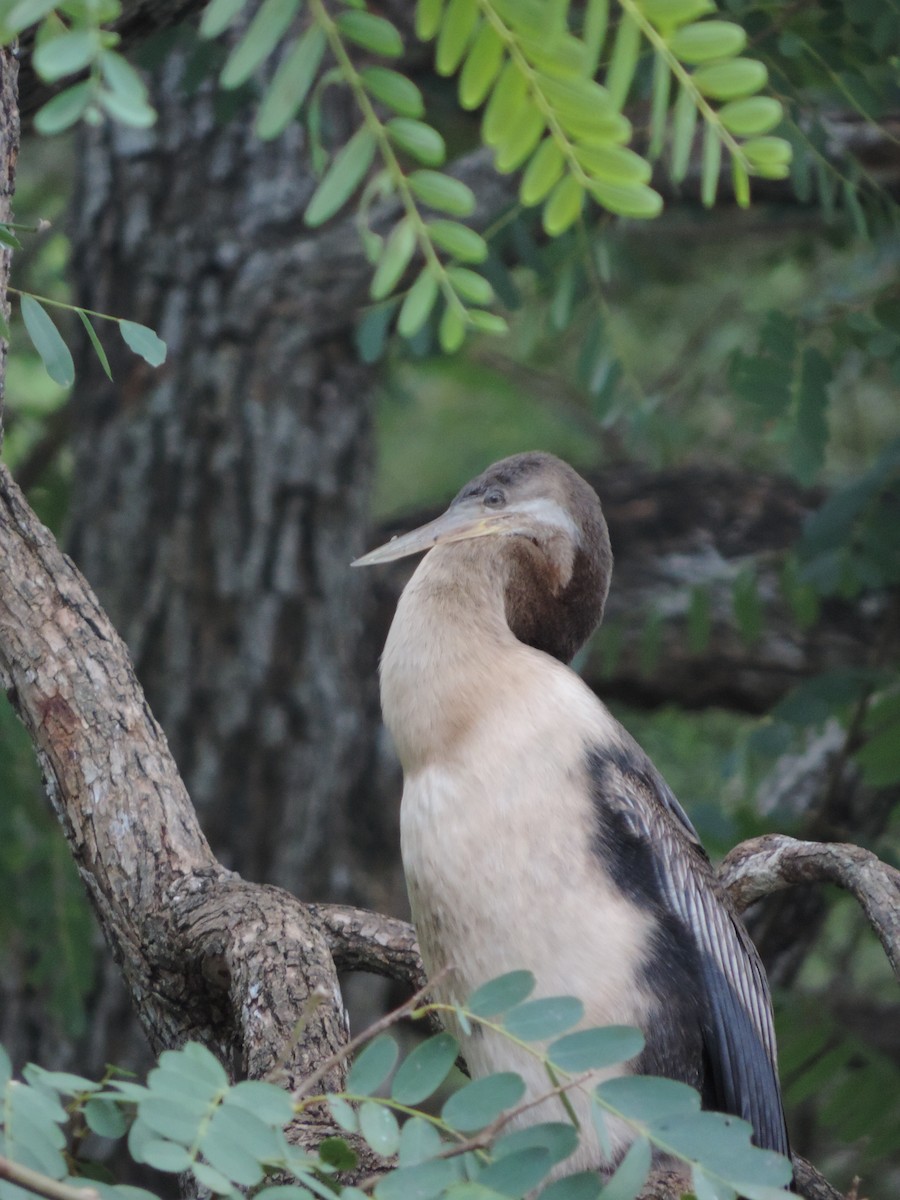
763 865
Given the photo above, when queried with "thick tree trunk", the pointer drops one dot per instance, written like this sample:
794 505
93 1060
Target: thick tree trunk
218 501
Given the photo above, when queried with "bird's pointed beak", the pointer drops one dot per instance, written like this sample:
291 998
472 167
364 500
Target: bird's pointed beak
459 522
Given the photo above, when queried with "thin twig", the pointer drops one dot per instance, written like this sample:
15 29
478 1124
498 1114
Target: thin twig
367 1035
42 1185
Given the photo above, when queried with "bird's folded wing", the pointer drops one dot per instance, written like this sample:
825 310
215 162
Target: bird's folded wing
738 1032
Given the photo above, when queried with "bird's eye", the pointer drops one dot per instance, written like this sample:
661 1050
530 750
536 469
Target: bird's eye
494 498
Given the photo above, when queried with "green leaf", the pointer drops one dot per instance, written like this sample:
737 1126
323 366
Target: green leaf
219 15
291 83
740 181
395 258
648 1098
659 104
634 200
481 1101
422 1181
542 173
417 306
684 122
459 240
264 33
105 1118
769 156
509 94
266 1101
711 165
372 1066
122 78
45 337
470 285
631 1173
225 1154
379 1127
481 68
486 322
8 238
65 109
95 342
127 110
342 178
424 1070
501 993
593 34
614 164
558 1138
419 1140
418 140
336 1153
667 14
751 117
624 59
212 1179
428 18
442 192
452 330
165 1156
393 90
563 206
707 40
582 1186
27 12
518 1173
590 1049
458 26
706 1189
143 341
522 137
731 80
544 1018
375 34
64 55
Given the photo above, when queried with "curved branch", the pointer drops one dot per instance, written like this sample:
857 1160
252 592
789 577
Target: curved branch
771 863
205 955
360 940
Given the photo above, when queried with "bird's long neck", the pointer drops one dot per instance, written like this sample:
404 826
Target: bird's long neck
442 663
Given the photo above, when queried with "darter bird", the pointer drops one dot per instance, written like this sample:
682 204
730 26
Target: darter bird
535 832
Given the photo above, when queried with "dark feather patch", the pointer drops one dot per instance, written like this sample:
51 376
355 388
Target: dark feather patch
714 1027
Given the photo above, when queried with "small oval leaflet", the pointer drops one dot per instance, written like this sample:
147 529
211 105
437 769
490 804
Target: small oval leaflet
631 1172
582 1186
379 1127
590 1049
372 1066
648 1097
544 1018
501 993
479 1102
48 342
419 1141
143 341
424 1070
517 1173
420 1182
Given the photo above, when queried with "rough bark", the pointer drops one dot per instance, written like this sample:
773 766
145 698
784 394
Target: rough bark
205 955
218 502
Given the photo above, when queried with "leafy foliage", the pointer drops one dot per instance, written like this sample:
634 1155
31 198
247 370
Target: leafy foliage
190 1118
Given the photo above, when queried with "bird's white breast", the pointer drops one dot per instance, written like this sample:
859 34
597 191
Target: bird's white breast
496 840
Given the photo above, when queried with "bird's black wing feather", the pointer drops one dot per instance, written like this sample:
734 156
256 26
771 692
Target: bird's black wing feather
640 818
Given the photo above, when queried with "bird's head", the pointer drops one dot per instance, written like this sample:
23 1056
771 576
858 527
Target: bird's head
534 516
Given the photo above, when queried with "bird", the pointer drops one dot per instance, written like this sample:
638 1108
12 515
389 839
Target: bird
536 833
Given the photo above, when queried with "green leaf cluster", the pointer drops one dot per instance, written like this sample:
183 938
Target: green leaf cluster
72 39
